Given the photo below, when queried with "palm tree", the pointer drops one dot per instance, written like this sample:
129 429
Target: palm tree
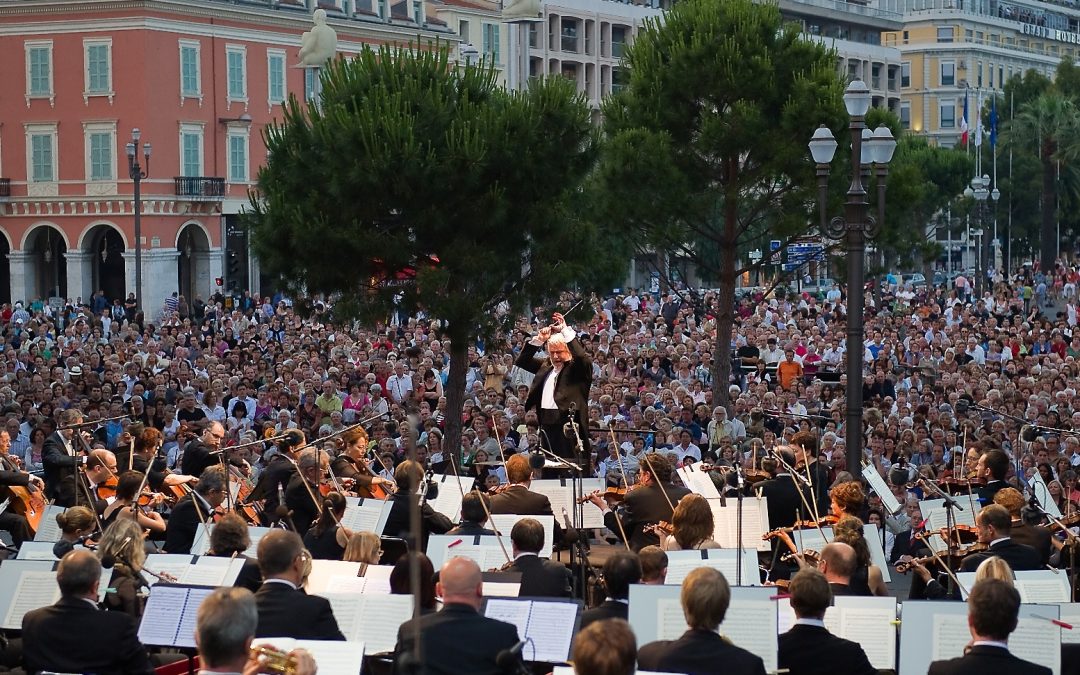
1051 123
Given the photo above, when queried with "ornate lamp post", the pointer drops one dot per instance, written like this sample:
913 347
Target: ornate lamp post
854 227
138 173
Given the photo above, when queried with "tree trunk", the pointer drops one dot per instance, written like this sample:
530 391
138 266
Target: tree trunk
725 316
455 398
1048 234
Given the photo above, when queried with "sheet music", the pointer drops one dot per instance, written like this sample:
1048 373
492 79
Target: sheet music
680 563
342 583
698 482
938 518
755 523
36 550
48 528
877 484
562 497
185 632
504 523
346 609
873 630
670 620
487 557
365 517
950 636
551 629
175 564
751 624
377 579
162 615
1036 640
1043 591
785 615
35 589
202 540
333 657
509 611
451 491
204 575
324 571
499 589
1070 614
487 554
379 620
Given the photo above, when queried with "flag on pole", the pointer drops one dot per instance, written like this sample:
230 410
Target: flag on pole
964 122
993 122
978 121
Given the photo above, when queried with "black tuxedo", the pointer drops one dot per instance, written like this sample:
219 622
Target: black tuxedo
58 464
302 508
644 506
812 650
571 391
1037 538
520 500
699 652
986 660
785 502
73 636
288 612
467 528
397 521
987 492
456 641
1019 556
609 609
183 524
542 578
196 459
904 545
277 474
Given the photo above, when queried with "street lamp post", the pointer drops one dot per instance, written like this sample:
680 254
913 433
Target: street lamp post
854 227
138 173
979 190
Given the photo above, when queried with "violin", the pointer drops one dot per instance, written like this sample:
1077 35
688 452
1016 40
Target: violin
372 490
661 529
107 490
610 494
826 521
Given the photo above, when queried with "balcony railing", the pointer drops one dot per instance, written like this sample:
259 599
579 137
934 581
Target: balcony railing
5 187
200 187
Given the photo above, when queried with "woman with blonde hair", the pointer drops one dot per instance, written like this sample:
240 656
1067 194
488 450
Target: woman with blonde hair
994 568
364 547
122 545
691 525
867 579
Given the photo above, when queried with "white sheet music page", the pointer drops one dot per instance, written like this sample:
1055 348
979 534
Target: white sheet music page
161 616
48 528
379 620
873 629
751 624
1038 641
1070 614
333 657
1050 590
35 589
950 636
514 612
670 621
185 633
551 629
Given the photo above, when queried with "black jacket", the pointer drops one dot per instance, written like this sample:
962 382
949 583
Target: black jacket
1037 538
522 501
196 459
986 660
456 641
183 524
609 609
542 578
302 508
397 521
288 612
58 638
812 650
1019 556
699 652
644 506
785 502
57 464
467 528
572 387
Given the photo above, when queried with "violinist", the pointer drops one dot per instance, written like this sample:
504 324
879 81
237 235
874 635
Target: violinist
847 499
409 475
76 525
99 469
11 475
194 510
128 504
327 539
516 497
691 526
649 503
1022 533
805 444
149 458
474 509
302 495
352 463
992 467
994 525
230 539
783 492
277 474
122 543
200 453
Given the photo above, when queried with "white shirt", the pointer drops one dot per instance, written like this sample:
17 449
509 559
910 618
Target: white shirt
547 394
399 386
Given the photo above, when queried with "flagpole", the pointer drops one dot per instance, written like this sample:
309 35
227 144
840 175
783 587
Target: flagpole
1008 241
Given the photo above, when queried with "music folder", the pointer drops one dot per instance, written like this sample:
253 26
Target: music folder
548 623
168 619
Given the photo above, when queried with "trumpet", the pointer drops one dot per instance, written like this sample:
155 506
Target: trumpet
274 660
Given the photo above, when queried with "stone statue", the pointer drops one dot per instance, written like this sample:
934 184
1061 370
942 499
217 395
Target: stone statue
318 45
521 10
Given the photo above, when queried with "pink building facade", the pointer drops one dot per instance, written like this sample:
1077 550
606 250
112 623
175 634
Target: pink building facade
200 79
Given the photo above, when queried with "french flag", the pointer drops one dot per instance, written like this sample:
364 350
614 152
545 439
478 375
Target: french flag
964 123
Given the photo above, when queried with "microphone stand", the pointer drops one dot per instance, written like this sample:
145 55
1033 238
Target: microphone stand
579 553
950 520
739 523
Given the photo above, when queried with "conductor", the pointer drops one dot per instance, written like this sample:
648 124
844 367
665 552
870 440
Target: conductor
560 389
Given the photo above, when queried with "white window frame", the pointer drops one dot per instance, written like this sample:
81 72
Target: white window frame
28 47
108 91
199 129
491 42
907 65
241 132
905 105
230 51
271 55
941 73
941 107
91 129
42 188
197 46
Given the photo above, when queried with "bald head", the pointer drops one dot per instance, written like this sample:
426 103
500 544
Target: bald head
460 582
838 562
78 574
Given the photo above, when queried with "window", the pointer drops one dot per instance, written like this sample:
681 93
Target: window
979 74
39 69
463 30
100 164
905 74
191 137
309 83
41 153
945 34
237 77
905 115
491 42
947 111
238 158
98 69
948 74
275 69
418 11
190 82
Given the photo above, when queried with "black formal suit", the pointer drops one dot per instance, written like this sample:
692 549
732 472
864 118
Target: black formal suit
571 390
183 524
57 465
275 476
74 636
397 521
1037 538
467 528
288 612
841 589
1019 556
609 609
250 576
14 523
986 660
457 640
302 508
785 502
196 459
541 578
520 500
699 652
643 506
986 493
903 544
812 650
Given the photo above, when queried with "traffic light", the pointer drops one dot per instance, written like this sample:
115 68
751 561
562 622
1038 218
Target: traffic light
234 265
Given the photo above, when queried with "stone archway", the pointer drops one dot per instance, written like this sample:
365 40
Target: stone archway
46 275
193 268
104 246
5 268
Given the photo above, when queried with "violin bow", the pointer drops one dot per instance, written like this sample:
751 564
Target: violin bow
626 486
498 534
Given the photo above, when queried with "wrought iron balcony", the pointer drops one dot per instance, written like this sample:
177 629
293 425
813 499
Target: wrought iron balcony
200 187
5 187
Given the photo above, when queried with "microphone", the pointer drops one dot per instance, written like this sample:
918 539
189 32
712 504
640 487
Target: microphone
509 660
432 489
63 547
536 460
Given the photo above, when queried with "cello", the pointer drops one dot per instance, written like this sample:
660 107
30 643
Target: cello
22 501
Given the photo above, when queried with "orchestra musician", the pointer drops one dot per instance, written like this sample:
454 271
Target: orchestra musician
122 544
12 475
992 467
352 463
1022 533
622 569
705 598
516 497
302 494
650 502
475 506
847 499
805 444
199 452
285 610
539 577
408 476
148 458
230 539
270 488
327 538
605 647
994 525
194 510
809 648
560 389
73 635
99 467
224 630
785 496
60 457
125 505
